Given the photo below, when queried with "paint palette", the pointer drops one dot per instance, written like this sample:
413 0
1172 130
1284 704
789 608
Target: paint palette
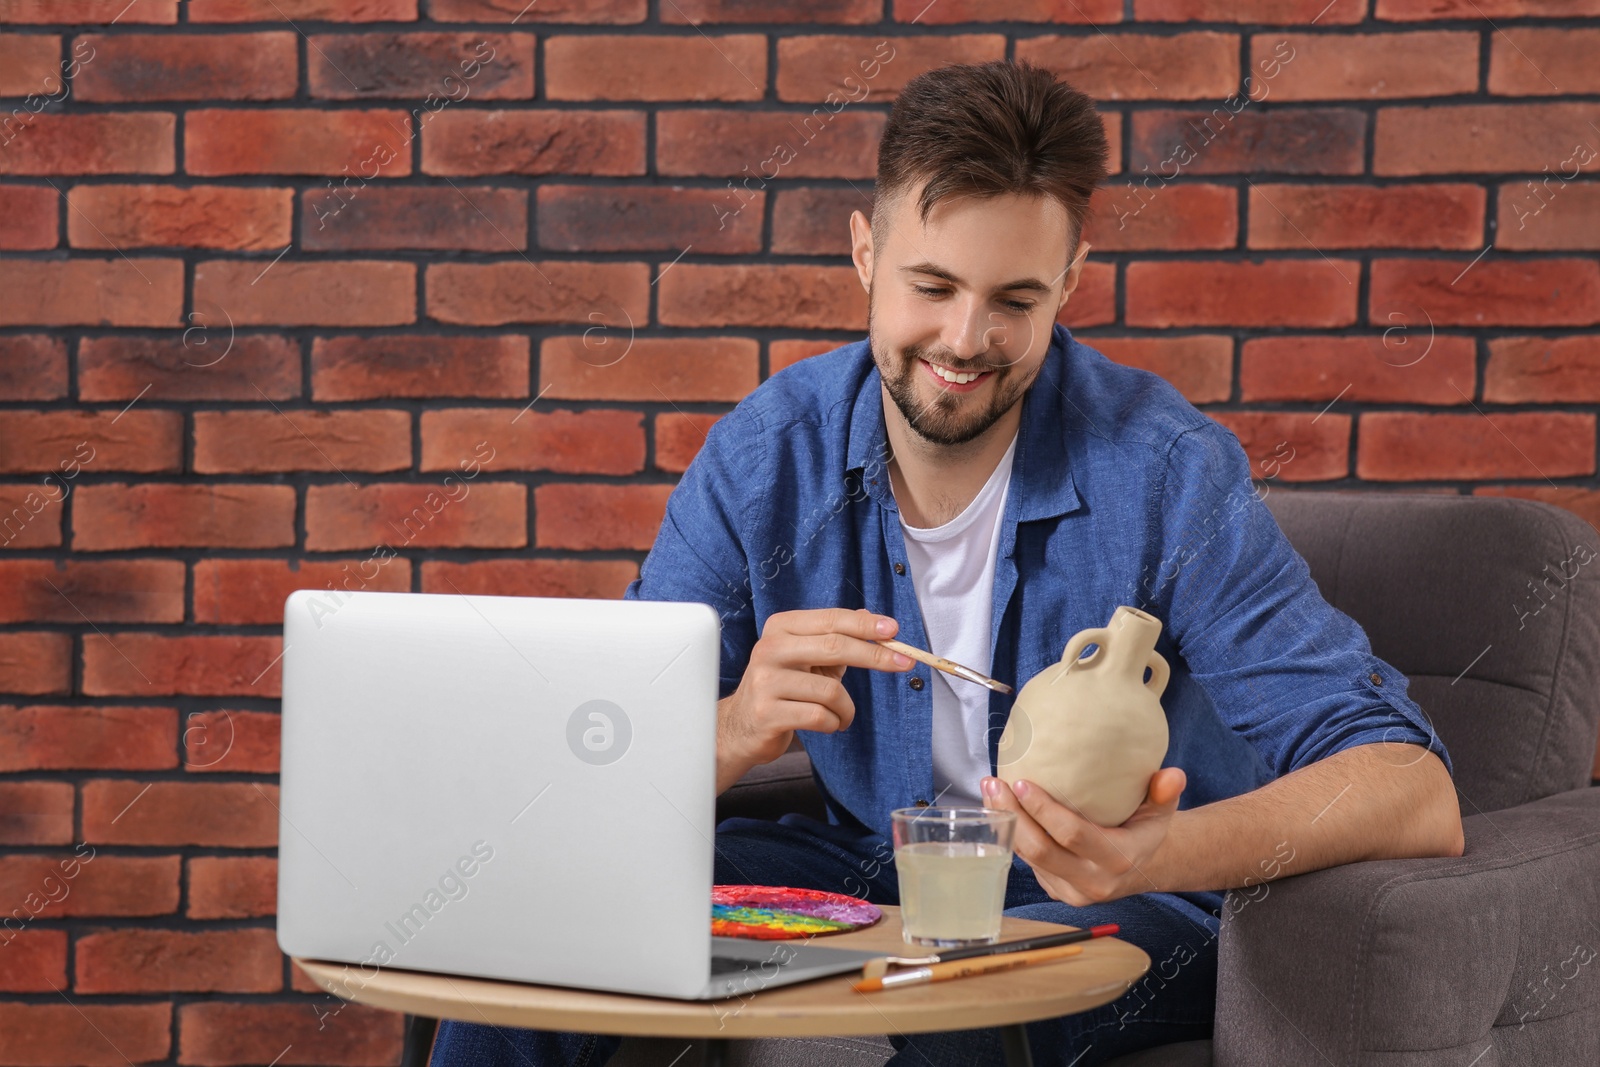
779 913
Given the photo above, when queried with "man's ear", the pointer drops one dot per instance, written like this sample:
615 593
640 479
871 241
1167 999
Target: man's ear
1074 272
861 247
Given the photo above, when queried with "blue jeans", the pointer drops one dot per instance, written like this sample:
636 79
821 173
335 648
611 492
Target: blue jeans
1173 1002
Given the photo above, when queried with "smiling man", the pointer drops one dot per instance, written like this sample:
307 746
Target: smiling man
972 479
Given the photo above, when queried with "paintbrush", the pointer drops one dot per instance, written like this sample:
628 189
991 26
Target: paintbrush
942 664
941 972
878 967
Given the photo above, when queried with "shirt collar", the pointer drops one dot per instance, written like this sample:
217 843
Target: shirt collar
1041 472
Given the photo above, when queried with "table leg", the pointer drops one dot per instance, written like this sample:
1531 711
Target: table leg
716 1052
1014 1038
418 1041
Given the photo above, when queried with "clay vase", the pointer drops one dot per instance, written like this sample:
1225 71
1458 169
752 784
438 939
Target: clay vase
1092 732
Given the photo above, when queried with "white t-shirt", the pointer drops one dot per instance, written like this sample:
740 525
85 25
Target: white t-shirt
952 569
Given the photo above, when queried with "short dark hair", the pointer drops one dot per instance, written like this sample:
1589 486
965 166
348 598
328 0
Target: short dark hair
988 129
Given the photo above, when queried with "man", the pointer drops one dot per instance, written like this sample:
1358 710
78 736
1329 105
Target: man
978 483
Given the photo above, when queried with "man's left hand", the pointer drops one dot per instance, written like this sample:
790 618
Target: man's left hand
1076 861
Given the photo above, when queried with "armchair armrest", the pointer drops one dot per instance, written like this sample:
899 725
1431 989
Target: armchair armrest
1416 961
770 790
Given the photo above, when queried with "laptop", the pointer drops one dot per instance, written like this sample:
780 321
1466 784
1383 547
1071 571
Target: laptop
519 788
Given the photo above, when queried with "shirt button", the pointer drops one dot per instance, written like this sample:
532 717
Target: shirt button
921 803
916 682
1375 678
899 568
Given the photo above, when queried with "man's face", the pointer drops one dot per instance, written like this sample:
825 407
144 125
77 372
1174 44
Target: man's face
974 292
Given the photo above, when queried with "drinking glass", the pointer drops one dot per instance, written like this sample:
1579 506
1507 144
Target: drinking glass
952 865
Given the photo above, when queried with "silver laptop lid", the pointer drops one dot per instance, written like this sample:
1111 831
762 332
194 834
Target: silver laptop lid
507 787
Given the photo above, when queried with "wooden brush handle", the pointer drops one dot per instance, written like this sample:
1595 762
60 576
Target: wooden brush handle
989 964
949 667
937 662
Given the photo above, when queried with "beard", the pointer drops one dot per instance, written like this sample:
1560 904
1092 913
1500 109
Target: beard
938 415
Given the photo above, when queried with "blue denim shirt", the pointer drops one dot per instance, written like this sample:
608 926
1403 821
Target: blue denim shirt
1121 492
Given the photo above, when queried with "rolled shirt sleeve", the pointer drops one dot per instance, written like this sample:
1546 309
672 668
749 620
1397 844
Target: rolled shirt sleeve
698 555
1285 669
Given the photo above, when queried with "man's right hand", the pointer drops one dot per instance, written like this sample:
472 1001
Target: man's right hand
793 682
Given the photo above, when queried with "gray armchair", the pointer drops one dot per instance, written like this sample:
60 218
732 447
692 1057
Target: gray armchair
1491 606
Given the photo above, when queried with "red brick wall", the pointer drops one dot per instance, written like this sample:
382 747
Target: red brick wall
274 269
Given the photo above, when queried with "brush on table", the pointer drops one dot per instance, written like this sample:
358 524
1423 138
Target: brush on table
942 972
878 967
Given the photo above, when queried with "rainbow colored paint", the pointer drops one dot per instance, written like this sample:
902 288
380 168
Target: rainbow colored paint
773 913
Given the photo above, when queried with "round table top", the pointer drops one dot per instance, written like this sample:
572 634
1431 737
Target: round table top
1105 969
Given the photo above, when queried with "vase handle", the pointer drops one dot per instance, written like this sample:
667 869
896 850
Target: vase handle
1082 640
1159 673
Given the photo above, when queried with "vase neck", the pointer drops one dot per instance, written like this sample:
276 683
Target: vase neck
1131 640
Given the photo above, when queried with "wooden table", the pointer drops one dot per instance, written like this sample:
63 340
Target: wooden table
1105 969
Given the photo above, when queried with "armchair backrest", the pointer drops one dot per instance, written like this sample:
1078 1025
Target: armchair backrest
1489 605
